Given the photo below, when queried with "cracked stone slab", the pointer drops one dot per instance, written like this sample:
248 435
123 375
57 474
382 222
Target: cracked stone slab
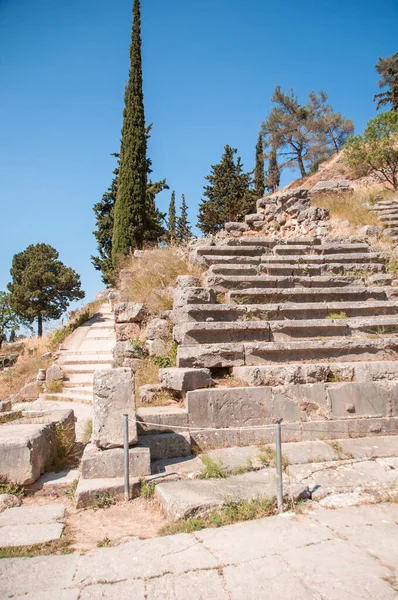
144 558
380 447
372 528
27 535
345 476
198 585
36 575
133 589
32 515
269 578
264 537
359 575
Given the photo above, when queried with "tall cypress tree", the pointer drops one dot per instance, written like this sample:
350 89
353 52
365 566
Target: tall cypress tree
172 221
273 173
183 226
129 213
259 169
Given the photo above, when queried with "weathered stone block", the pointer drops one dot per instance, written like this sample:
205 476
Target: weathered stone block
193 295
29 392
211 356
184 281
185 380
233 407
156 347
126 278
54 373
25 451
98 463
123 350
349 399
129 312
167 445
113 397
127 331
164 419
8 501
149 391
157 328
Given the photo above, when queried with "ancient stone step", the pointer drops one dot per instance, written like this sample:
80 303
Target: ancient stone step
311 269
333 248
344 294
87 368
167 445
222 355
161 419
246 331
239 282
66 397
284 374
98 463
288 310
229 250
302 403
357 259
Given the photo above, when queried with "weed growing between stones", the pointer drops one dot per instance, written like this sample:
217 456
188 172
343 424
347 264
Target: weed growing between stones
246 467
10 488
104 543
233 512
55 387
147 488
87 432
267 457
336 315
60 546
211 469
66 449
70 493
104 500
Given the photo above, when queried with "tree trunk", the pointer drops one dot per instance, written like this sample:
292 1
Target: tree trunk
301 165
39 325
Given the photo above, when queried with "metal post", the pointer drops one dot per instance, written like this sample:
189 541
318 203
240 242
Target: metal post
126 457
279 488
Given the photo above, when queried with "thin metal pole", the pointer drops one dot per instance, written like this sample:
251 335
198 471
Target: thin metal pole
126 457
279 488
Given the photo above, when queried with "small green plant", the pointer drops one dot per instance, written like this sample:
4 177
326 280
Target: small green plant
55 387
105 500
147 488
66 449
87 432
169 359
70 492
334 377
336 315
211 469
267 457
220 298
232 512
104 543
137 343
338 448
246 467
10 488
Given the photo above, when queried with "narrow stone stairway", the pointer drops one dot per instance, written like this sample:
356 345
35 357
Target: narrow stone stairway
387 212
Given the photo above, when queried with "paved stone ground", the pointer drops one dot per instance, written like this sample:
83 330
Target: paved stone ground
26 525
349 554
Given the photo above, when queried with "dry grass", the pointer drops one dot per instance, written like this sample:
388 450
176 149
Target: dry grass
349 207
26 367
148 373
155 275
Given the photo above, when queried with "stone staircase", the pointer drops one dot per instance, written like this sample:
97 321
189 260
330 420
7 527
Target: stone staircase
299 329
89 348
387 212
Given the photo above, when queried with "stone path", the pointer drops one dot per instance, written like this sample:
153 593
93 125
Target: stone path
387 212
27 525
348 554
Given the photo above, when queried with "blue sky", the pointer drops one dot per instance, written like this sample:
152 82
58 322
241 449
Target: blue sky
210 67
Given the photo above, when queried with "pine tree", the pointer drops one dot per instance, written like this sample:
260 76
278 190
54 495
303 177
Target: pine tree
259 169
42 286
388 69
172 221
229 195
130 207
273 174
104 211
184 233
